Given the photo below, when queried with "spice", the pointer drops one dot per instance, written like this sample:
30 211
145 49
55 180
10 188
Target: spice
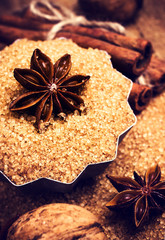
144 194
50 88
127 61
129 55
139 97
154 76
140 45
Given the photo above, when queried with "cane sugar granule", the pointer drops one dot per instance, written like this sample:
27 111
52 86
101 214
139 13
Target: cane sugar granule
65 148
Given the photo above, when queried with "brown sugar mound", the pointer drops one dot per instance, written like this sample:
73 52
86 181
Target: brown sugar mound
65 148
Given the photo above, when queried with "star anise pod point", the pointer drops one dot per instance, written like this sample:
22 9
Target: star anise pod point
51 90
144 194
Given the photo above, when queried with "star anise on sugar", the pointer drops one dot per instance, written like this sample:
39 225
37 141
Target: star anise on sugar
144 194
50 88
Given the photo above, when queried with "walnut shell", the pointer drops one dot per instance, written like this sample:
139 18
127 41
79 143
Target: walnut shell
115 10
56 221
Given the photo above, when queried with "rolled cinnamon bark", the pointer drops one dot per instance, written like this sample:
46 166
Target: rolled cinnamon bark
155 75
9 34
139 97
24 23
130 63
138 44
2 45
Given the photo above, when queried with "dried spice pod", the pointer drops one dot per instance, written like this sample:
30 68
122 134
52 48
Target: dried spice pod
49 87
143 193
57 221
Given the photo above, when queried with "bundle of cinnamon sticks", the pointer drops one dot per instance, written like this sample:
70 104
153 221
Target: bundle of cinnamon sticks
130 56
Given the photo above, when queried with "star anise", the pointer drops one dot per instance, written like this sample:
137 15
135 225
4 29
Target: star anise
50 90
144 193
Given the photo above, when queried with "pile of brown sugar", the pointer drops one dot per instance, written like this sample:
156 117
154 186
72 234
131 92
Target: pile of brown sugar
65 148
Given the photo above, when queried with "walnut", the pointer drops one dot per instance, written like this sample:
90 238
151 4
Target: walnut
114 10
57 222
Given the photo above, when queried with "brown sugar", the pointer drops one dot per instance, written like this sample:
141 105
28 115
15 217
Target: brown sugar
65 148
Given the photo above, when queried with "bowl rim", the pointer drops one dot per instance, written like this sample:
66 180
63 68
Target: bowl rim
58 186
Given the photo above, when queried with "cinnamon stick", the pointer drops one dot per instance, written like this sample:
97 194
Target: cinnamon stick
139 97
155 75
130 63
24 23
2 45
138 44
9 34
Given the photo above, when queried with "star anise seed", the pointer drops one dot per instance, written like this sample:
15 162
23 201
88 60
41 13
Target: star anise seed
50 90
144 193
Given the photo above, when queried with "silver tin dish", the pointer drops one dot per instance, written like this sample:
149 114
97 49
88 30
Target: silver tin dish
48 184
53 185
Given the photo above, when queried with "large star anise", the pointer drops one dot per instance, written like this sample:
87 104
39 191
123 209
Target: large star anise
144 193
50 90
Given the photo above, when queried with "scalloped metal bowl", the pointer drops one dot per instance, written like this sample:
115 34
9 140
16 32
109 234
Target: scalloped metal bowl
95 68
42 184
